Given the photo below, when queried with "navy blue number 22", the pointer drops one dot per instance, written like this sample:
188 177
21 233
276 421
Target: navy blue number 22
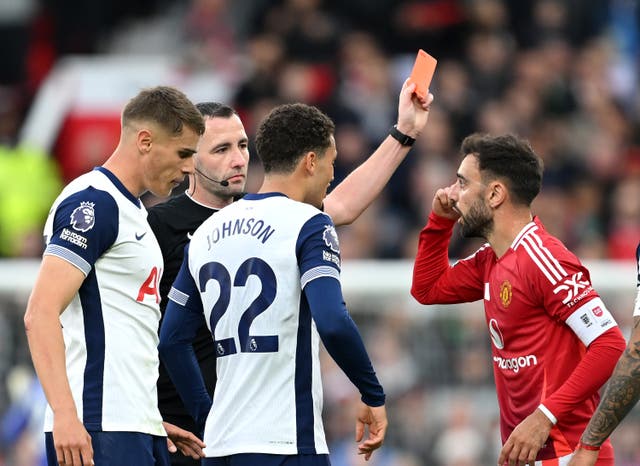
248 343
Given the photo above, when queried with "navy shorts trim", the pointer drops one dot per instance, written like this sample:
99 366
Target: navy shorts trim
120 449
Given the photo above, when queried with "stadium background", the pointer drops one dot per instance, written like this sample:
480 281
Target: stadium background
563 73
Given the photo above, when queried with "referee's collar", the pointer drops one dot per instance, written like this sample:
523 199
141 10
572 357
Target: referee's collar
215 209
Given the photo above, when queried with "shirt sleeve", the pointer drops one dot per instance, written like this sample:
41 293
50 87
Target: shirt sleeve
435 281
564 286
318 253
85 225
590 374
183 317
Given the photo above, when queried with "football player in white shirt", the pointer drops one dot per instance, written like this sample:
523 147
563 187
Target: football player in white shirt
265 271
220 173
92 318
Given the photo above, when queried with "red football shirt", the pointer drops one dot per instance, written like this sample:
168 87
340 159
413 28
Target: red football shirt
541 312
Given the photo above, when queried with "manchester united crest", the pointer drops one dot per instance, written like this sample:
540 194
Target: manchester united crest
505 293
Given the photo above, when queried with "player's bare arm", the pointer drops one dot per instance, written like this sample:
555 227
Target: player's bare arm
351 197
49 298
620 396
622 393
584 458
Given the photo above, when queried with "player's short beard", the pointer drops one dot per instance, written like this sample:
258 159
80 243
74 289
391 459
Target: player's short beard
478 222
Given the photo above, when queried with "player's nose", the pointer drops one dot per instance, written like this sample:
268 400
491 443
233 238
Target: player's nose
188 167
453 191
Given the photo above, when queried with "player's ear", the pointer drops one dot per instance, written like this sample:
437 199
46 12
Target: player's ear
497 193
144 140
310 161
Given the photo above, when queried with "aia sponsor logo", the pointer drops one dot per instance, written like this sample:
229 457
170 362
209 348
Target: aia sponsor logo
505 293
572 287
496 334
150 286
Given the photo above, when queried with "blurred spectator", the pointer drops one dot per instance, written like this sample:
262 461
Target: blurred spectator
624 230
456 97
10 114
432 24
21 424
489 56
585 230
459 431
365 83
342 455
29 182
264 57
309 31
397 369
15 21
210 41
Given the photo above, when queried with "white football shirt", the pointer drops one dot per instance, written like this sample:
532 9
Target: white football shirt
248 265
110 327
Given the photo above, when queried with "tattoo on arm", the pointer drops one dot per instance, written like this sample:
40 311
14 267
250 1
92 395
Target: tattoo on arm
621 394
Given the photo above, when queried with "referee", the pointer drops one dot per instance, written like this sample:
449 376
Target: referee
223 152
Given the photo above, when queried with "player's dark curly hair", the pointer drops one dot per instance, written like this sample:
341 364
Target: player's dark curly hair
508 158
288 132
166 106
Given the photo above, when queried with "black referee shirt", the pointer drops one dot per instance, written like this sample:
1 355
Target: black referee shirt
171 222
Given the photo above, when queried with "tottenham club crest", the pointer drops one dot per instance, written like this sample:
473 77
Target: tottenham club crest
331 238
84 217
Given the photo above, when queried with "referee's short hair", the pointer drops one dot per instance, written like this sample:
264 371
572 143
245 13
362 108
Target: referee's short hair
215 110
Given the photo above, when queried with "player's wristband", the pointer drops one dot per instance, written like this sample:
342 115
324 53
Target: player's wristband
587 447
548 413
402 138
